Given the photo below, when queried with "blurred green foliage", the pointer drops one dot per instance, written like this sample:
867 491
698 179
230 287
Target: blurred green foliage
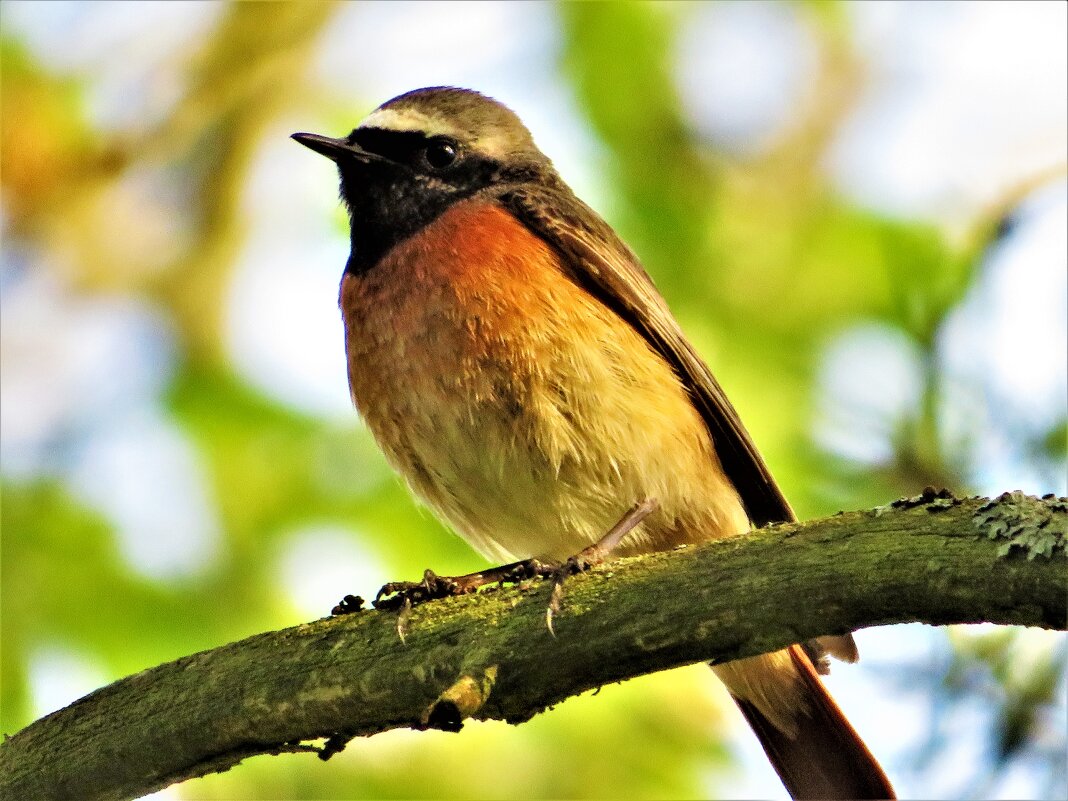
761 260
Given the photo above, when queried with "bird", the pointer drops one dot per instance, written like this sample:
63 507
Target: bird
518 367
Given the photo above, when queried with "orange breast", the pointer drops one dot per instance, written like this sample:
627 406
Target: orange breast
525 412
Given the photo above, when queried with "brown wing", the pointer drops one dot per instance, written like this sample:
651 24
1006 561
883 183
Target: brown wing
601 263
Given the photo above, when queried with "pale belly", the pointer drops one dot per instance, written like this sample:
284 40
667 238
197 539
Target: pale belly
527 415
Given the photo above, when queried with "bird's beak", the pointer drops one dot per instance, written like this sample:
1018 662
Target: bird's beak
333 149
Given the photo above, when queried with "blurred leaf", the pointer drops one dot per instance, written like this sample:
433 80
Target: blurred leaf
46 145
1055 443
65 582
665 187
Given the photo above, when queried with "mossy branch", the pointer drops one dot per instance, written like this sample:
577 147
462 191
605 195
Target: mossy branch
933 559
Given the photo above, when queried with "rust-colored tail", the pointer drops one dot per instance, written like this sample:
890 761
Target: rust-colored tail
825 758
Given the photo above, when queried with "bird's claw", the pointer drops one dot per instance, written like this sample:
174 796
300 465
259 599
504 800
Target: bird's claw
397 594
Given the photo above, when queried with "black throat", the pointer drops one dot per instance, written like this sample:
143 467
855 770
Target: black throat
394 193
388 202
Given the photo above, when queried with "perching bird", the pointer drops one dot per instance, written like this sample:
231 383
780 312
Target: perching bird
518 367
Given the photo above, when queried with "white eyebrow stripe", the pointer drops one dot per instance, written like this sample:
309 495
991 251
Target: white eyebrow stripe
493 143
394 120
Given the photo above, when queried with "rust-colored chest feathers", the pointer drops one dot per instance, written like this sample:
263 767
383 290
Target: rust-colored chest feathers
520 408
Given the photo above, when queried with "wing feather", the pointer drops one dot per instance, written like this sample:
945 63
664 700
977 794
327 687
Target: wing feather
599 261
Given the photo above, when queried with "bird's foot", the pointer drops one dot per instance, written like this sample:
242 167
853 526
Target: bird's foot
593 555
398 594
403 595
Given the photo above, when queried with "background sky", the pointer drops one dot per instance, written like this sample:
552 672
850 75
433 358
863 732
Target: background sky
857 210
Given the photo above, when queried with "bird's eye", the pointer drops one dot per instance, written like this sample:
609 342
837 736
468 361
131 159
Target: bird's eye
440 153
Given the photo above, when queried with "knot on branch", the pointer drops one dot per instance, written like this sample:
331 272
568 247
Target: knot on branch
463 699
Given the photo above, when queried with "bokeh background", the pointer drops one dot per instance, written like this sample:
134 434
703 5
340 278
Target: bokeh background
857 211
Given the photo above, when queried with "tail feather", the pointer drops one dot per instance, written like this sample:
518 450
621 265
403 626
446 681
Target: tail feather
825 757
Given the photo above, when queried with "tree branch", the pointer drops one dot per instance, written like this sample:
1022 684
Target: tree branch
933 559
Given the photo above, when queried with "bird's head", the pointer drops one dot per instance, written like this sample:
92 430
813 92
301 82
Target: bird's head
417 154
